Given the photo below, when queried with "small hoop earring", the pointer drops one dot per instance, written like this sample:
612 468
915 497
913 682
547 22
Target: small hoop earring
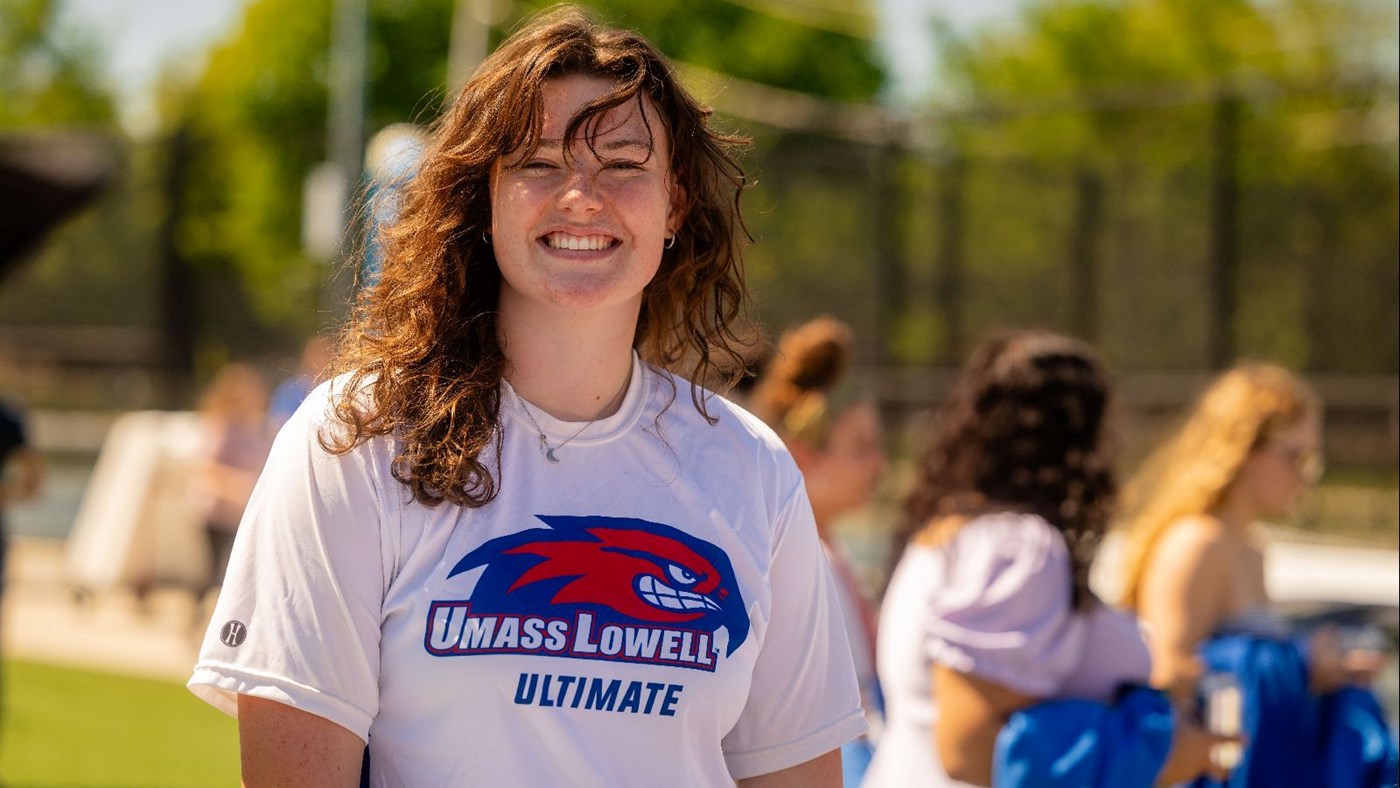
671 241
486 236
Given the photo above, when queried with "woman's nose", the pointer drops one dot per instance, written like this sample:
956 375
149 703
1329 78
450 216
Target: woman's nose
580 193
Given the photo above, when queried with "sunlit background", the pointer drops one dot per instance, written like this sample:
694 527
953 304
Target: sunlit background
1184 183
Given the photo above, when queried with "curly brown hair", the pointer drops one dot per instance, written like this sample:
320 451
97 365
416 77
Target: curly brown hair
423 353
1025 431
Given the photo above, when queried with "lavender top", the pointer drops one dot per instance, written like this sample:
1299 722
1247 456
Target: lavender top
993 602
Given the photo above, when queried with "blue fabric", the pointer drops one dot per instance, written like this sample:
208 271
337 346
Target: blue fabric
1278 716
1085 743
855 759
1359 747
1293 737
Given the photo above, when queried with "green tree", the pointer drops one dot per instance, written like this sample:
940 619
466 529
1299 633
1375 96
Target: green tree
50 75
256 119
1227 138
745 41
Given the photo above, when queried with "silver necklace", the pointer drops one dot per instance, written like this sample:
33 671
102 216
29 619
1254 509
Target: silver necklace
544 441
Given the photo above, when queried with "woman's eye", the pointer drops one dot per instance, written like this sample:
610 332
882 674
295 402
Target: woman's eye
681 576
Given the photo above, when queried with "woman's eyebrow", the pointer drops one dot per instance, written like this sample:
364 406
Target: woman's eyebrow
610 145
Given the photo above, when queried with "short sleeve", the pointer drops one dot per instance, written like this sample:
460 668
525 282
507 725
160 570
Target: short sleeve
803 699
298 617
1005 614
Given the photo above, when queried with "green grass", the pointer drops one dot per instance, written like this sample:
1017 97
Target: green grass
68 727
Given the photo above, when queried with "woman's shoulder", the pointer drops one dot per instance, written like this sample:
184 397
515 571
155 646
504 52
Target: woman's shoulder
1013 533
730 442
1001 531
997 552
1192 551
731 422
321 416
1199 536
319 406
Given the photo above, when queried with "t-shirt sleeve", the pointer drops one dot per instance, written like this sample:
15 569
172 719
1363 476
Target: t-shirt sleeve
1005 614
298 618
803 699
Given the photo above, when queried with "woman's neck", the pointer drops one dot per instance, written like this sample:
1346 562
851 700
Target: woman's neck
1234 512
573 367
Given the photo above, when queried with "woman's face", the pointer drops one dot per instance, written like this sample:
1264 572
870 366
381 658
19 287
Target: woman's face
584 231
843 474
1276 474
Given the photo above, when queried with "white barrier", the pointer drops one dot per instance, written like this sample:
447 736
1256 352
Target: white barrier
138 524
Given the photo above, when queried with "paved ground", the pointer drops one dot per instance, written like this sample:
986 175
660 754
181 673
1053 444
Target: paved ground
44 621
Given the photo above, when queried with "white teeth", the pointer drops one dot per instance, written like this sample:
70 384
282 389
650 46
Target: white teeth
578 243
662 595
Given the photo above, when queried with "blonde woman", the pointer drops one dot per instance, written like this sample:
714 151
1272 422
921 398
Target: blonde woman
1195 574
1194 559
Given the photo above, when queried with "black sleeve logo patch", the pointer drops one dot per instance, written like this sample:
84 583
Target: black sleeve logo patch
233 633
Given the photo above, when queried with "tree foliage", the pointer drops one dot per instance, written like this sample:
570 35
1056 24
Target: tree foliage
1289 104
49 76
731 38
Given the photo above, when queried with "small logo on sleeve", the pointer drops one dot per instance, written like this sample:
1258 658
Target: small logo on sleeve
233 633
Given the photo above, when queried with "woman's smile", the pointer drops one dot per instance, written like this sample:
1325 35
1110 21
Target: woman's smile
579 243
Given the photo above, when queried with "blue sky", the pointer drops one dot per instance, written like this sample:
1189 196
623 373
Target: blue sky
142 35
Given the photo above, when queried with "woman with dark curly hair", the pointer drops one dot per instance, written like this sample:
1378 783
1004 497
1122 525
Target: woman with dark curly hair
496 549
989 609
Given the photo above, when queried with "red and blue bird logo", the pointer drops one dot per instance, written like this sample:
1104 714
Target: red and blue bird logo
622 570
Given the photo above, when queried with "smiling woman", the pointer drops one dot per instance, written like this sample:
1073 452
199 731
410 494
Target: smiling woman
501 478
584 227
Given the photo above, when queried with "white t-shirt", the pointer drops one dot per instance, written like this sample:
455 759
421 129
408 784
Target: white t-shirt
993 602
654 609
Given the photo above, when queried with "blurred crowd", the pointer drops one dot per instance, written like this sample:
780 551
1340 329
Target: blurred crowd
988 617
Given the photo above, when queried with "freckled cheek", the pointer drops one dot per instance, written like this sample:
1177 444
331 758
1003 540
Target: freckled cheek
640 197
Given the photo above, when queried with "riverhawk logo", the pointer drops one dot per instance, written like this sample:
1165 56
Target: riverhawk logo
618 589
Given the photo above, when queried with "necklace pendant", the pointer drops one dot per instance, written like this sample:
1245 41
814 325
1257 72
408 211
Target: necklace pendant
549 455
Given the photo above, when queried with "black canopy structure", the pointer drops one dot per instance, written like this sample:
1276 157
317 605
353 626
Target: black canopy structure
46 177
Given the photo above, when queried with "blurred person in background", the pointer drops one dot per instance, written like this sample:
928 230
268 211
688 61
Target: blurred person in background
1193 562
21 470
391 159
316 355
510 545
233 415
21 475
835 436
988 615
